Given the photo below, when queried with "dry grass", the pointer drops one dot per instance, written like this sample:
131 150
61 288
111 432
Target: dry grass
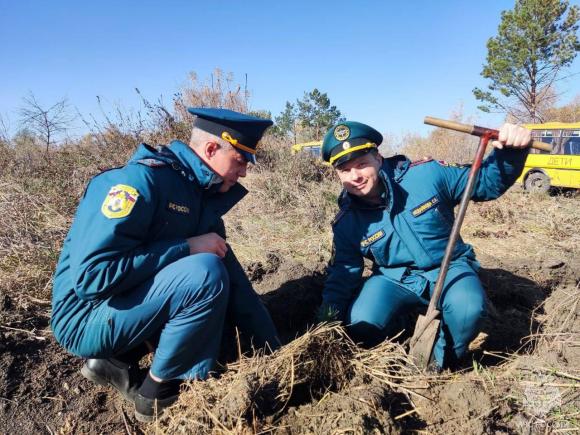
442 144
291 203
540 234
519 225
560 319
537 392
254 394
545 384
288 212
29 240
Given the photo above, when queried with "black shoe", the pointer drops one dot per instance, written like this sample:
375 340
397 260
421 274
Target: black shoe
146 409
110 372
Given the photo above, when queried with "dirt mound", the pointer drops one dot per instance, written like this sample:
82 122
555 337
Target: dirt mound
41 391
364 408
534 392
321 377
460 406
322 383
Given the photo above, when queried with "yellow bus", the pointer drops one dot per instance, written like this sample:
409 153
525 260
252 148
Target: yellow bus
312 148
561 167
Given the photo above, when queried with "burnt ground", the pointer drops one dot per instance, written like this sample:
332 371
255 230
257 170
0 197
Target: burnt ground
42 391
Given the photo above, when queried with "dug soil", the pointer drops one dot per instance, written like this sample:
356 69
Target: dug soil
42 391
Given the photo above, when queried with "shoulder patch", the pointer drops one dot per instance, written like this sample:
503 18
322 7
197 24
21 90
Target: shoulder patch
339 215
453 165
420 162
120 201
152 163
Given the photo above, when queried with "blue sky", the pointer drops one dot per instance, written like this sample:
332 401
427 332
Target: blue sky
384 63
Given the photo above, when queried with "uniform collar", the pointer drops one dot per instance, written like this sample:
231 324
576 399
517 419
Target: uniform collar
220 203
205 176
396 167
190 166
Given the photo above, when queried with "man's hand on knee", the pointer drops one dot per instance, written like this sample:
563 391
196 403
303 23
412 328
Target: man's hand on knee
209 243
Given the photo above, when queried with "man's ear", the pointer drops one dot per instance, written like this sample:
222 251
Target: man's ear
210 149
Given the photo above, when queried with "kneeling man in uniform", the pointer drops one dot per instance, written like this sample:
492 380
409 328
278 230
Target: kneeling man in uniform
399 215
145 266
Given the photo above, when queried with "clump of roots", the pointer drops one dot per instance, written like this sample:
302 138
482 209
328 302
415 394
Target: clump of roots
255 393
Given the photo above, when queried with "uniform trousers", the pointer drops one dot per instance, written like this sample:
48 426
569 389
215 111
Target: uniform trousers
183 306
382 303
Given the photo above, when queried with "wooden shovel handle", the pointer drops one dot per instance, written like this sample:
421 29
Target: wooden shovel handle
478 131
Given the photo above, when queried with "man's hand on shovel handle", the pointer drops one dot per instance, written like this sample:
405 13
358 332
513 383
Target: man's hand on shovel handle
514 136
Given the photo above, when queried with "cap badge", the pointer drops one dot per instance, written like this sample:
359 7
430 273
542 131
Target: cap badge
345 145
229 138
341 132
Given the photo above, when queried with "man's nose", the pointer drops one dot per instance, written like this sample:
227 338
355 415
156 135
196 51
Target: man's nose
354 174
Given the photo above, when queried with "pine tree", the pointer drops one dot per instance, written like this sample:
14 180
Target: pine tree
316 114
536 41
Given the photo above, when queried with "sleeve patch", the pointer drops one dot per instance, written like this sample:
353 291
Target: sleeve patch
120 201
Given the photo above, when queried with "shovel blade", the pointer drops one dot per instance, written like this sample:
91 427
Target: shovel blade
423 340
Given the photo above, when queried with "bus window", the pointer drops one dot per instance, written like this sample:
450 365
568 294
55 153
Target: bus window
571 141
313 151
546 136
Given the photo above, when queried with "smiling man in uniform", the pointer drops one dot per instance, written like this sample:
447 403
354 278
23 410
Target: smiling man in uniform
145 266
399 215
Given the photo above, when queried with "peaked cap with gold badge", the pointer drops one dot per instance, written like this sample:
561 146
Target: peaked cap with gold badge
348 140
241 130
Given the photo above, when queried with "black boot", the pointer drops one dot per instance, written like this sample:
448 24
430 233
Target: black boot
111 372
153 397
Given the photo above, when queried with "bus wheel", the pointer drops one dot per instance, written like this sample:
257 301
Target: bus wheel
537 182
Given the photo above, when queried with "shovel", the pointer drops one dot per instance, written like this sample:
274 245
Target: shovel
427 326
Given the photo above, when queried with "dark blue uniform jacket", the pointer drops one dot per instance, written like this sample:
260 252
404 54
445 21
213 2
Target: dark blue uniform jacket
102 257
407 235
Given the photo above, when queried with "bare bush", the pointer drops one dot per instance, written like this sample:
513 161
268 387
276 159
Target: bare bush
442 144
297 183
4 131
220 90
567 113
49 123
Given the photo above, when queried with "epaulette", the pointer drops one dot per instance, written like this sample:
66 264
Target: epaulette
339 215
453 165
152 163
420 162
